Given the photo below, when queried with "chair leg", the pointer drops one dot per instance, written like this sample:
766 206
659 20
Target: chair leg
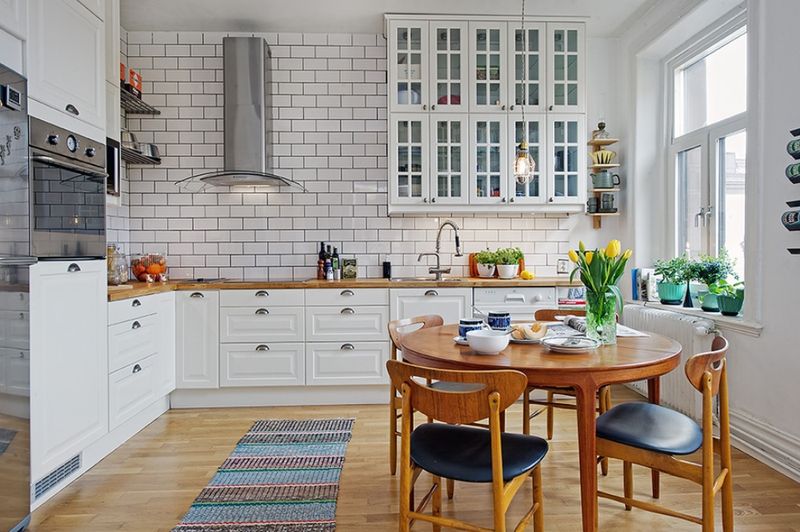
436 503
526 412
627 480
550 416
406 497
392 431
538 515
451 488
604 401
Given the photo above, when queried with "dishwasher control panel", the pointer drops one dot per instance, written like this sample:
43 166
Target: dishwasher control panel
527 295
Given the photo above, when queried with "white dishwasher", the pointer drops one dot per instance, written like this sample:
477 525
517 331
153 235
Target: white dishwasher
521 302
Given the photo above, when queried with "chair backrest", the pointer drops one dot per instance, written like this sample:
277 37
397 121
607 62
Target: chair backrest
712 362
457 407
549 314
396 326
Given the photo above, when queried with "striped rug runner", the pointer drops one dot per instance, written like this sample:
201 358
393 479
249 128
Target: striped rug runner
283 476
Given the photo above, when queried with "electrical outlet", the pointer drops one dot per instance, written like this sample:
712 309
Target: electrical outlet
562 266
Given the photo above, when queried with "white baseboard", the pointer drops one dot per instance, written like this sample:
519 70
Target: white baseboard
281 396
765 443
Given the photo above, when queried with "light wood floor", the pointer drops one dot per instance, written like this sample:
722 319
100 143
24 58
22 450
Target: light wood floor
149 482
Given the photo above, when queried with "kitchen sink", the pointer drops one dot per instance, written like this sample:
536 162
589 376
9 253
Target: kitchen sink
428 279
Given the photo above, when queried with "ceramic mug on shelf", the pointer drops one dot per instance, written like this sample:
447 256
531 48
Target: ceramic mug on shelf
591 205
607 202
605 179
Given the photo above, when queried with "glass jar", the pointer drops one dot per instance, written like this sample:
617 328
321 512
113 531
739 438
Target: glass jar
117 268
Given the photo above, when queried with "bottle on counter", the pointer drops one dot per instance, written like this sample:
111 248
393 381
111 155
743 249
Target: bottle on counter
328 269
336 265
321 261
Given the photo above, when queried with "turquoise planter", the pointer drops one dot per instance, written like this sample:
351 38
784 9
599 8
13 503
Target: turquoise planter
731 306
671 294
710 303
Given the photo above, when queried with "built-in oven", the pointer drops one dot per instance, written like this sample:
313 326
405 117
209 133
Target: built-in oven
68 194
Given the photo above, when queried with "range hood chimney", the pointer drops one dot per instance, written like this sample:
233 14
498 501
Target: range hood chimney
247 116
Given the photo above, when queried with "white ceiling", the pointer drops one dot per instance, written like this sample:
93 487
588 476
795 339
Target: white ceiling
356 16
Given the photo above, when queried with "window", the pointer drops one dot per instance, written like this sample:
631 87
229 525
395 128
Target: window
709 146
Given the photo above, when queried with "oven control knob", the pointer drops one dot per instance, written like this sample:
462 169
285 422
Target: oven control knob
53 139
538 297
72 144
91 152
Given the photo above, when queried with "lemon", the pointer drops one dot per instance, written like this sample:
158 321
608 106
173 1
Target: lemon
526 275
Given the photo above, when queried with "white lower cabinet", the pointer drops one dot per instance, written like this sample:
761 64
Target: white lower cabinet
197 339
357 323
273 364
15 372
131 389
451 304
165 375
337 363
257 324
132 340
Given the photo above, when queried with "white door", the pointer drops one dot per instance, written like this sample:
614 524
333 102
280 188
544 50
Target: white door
449 56
408 158
408 65
566 135
566 67
165 305
534 130
267 364
527 88
451 304
197 334
66 60
487 67
449 159
69 360
489 151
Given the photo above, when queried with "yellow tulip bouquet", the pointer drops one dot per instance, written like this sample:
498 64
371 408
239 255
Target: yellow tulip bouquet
600 270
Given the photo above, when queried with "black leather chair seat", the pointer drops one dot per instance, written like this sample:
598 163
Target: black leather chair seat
464 453
651 427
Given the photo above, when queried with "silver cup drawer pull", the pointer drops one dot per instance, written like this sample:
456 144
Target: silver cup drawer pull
137 368
347 347
136 303
262 312
197 295
347 293
431 293
347 310
262 293
262 347
73 268
136 325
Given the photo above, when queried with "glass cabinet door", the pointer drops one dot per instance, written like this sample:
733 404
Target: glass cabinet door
408 158
449 54
408 65
450 159
566 45
487 66
567 135
535 128
489 159
527 69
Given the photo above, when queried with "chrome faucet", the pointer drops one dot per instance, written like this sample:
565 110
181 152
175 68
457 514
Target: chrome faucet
438 270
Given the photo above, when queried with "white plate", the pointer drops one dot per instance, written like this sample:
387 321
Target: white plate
575 344
460 340
526 341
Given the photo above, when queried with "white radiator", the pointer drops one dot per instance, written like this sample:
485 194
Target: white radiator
693 333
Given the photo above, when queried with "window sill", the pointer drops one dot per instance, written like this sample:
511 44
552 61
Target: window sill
726 323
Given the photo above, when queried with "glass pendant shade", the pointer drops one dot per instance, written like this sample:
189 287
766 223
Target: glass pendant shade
524 165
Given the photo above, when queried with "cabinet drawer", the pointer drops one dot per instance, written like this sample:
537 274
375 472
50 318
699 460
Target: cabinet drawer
14 327
14 300
347 363
273 364
15 371
130 309
346 297
130 389
131 341
260 298
261 325
348 324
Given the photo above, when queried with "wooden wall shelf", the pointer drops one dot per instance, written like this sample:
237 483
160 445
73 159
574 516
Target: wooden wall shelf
602 142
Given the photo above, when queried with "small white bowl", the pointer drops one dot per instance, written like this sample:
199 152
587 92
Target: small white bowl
488 342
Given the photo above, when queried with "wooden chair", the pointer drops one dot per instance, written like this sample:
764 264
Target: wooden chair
454 451
652 436
396 330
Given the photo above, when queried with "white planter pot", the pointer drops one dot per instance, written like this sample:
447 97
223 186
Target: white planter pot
485 270
507 271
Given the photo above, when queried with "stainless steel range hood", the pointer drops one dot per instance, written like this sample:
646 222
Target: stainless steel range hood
247 117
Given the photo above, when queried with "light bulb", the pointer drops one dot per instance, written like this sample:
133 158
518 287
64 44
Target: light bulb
524 165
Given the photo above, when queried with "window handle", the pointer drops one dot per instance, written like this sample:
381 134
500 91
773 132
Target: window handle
700 216
709 211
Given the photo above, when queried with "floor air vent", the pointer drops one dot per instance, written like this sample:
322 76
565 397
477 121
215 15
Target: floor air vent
47 483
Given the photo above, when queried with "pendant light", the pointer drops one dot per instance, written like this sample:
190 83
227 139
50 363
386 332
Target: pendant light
524 165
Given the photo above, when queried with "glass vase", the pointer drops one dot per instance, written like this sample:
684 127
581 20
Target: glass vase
601 317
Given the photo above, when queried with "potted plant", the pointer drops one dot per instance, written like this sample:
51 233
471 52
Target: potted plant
710 271
730 296
486 261
672 286
600 270
507 260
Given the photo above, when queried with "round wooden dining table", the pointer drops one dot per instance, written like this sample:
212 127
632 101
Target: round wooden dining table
631 359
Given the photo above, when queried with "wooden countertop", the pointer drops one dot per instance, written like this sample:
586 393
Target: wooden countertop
144 289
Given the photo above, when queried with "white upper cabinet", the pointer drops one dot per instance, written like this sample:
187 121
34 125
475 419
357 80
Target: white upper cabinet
14 17
489 159
408 158
487 67
566 183
449 159
449 58
566 68
526 73
408 66
533 129
97 7
66 64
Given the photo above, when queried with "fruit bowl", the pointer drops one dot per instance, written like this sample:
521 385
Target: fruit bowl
149 268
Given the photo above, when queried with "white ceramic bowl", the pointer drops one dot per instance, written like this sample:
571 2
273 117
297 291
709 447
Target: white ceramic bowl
488 342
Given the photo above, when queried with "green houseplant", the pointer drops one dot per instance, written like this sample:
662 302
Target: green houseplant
507 260
711 271
730 296
486 261
672 286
